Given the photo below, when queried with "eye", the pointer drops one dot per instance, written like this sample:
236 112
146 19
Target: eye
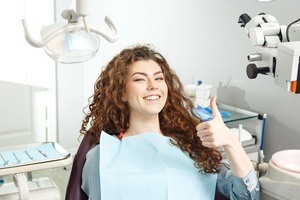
161 78
138 79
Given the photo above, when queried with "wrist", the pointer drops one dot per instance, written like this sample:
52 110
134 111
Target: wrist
232 143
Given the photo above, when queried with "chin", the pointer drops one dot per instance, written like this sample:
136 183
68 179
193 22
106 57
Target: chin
154 111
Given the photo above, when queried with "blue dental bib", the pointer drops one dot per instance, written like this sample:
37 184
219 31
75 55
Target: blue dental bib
147 166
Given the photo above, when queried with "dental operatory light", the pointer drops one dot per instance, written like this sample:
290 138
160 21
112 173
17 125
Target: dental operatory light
74 41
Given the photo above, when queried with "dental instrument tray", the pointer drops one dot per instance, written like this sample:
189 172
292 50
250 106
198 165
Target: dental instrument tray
33 157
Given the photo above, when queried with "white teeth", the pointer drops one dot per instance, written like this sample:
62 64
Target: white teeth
152 97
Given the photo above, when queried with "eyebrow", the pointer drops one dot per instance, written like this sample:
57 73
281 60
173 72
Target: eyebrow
144 74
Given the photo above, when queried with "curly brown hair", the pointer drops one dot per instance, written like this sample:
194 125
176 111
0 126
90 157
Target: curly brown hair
108 112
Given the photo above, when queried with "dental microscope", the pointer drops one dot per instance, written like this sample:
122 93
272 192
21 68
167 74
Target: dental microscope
277 50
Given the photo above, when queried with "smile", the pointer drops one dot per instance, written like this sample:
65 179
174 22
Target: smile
152 97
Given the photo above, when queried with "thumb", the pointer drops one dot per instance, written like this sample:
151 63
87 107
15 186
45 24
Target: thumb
214 108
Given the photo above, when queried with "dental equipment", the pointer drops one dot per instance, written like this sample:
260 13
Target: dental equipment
21 161
277 50
282 180
75 41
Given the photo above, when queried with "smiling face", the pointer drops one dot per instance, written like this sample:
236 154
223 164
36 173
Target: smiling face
145 90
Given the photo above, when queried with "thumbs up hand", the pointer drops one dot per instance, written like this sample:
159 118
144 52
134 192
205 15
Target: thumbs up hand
214 133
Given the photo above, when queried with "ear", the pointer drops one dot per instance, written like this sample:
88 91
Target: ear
124 98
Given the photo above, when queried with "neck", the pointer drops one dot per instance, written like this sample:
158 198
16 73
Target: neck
143 124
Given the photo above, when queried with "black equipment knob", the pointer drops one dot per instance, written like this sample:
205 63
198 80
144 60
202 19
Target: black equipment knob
253 70
244 19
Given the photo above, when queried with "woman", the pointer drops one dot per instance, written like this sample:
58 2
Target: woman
149 145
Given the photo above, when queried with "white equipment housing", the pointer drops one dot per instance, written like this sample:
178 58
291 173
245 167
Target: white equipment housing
280 183
277 50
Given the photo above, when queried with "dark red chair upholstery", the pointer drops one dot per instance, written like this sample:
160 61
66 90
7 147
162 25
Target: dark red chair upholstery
74 191
220 196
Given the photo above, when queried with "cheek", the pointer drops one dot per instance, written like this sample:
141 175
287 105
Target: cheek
165 92
131 93
165 89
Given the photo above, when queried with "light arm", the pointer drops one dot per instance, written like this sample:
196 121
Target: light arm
114 33
70 27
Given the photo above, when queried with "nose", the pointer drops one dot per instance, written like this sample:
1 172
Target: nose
151 85
152 88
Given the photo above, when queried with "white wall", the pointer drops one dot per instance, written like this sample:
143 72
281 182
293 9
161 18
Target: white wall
27 76
201 40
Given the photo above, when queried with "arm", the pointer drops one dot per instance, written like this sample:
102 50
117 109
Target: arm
215 133
238 188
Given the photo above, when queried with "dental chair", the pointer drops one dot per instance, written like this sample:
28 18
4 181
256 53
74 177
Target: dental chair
74 191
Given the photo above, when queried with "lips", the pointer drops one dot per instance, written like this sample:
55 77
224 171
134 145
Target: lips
152 97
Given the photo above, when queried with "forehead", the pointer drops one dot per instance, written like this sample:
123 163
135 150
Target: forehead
145 66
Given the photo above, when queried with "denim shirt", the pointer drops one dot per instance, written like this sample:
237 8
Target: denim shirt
238 188
226 182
